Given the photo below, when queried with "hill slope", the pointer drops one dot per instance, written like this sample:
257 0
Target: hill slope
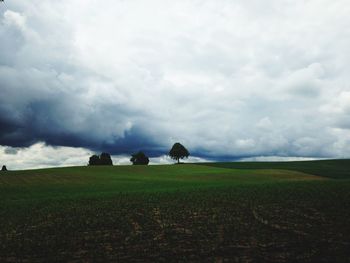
329 168
108 180
176 213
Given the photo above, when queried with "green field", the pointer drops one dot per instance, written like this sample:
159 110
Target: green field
215 212
329 168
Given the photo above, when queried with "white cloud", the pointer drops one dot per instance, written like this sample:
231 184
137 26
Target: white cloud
264 123
40 155
14 18
338 105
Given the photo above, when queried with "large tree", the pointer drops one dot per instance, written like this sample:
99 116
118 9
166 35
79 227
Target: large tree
178 151
139 159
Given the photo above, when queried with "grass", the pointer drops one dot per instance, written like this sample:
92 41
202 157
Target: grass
177 213
338 169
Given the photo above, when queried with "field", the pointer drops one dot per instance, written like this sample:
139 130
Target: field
217 212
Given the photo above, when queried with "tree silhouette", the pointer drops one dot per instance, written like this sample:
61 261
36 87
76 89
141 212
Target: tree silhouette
103 159
139 159
178 151
94 160
4 168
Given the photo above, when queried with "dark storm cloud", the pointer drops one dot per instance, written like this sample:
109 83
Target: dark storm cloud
54 121
135 140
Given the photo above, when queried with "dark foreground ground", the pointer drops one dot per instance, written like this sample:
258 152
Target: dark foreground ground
178 213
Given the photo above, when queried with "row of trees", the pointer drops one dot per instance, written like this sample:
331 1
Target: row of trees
177 152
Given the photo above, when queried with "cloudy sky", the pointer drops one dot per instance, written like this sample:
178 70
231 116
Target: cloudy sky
229 79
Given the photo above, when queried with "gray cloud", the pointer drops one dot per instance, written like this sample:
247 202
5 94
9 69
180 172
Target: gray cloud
229 80
10 150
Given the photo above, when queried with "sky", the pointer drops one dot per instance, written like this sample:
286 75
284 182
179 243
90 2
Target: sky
229 79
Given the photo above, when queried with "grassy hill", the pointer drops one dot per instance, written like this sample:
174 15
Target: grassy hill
329 168
249 212
109 180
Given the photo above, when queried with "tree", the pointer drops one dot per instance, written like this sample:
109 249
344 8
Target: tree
103 159
94 160
178 151
139 159
4 168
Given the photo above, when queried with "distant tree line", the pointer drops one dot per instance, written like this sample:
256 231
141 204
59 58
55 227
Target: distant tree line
177 152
